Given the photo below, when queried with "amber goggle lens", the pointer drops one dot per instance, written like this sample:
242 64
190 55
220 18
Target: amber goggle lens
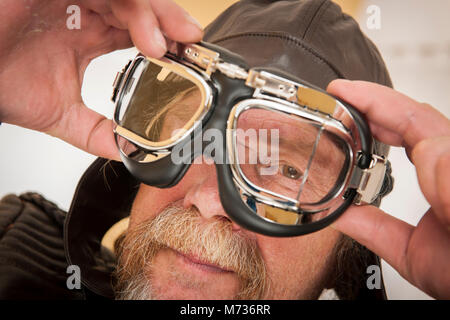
163 104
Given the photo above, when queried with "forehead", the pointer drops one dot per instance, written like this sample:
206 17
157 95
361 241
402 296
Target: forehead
284 123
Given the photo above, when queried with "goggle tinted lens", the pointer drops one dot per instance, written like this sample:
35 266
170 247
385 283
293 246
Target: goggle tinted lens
162 106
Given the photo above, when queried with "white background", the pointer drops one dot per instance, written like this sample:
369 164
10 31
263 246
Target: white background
414 39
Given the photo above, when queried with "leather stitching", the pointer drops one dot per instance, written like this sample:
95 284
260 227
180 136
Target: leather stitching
312 23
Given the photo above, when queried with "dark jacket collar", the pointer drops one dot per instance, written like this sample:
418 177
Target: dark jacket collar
102 198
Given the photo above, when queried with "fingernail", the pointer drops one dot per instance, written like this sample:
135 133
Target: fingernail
159 39
194 21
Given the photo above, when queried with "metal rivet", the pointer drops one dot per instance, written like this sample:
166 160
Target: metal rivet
291 90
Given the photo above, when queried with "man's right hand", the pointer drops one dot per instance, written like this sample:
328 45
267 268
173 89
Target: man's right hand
42 62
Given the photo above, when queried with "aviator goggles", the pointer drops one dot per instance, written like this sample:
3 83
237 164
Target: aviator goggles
289 157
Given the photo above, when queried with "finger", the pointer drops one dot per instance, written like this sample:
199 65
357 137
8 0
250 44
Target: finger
176 23
389 137
120 39
111 40
420 254
442 174
111 20
393 111
103 9
386 236
137 16
87 130
432 160
114 39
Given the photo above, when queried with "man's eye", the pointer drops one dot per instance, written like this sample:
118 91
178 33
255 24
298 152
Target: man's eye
291 172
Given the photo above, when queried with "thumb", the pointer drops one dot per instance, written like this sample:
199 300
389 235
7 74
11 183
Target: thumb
386 236
87 130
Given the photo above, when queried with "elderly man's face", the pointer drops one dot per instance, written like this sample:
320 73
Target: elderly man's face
182 245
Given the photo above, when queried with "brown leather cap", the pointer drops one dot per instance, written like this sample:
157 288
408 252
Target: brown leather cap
311 39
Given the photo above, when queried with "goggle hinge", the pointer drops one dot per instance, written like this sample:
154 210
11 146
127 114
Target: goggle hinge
272 84
231 70
201 57
368 182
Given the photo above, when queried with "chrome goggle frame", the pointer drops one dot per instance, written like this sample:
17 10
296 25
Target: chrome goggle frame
364 173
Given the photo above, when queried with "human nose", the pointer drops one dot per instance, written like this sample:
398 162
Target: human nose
203 193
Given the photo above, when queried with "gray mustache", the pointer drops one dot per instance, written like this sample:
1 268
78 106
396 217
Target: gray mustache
212 241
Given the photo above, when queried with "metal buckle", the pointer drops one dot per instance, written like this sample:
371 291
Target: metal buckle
368 182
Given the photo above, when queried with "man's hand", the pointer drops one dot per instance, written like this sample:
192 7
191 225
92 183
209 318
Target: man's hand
42 62
420 254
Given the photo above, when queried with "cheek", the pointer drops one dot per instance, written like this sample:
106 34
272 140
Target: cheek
297 265
150 201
